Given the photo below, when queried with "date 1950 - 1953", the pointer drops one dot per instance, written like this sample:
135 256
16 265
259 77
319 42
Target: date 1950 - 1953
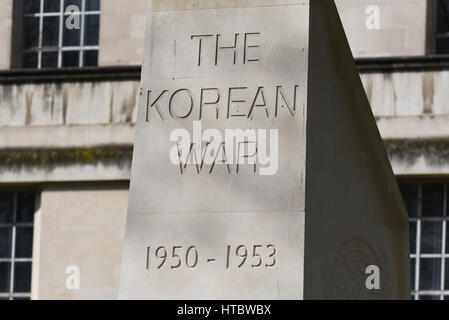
238 256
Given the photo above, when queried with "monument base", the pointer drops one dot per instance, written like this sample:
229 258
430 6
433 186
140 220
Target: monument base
214 256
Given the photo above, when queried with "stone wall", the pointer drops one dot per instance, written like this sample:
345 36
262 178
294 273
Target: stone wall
84 131
115 102
408 93
402 29
81 226
122 32
70 103
5 33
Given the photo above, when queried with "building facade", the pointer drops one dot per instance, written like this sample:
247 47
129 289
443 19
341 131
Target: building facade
69 85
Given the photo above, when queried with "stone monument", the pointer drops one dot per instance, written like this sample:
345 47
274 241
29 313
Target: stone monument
258 168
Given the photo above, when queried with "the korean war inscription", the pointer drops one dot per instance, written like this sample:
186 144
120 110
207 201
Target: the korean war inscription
217 206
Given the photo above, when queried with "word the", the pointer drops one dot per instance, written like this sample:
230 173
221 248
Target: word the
244 43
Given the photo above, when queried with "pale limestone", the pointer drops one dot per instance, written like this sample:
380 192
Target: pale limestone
302 211
79 225
402 30
6 16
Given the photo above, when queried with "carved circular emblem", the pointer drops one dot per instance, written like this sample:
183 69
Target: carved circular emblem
346 277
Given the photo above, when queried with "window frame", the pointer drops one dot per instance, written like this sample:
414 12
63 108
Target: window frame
433 16
11 295
18 33
417 292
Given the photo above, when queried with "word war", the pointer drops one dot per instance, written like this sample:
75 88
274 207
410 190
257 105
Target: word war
239 147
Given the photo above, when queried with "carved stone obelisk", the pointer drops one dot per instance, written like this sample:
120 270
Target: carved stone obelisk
258 169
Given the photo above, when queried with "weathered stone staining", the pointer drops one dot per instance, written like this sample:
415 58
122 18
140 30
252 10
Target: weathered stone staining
258 169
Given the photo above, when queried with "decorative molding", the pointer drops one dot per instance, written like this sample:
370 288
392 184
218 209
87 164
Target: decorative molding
51 158
132 73
403 64
87 74
436 151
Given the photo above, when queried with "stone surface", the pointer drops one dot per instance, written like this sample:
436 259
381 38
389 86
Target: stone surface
402 28
68 103
122 32
224 201
227 231
277 237
79 225
6 16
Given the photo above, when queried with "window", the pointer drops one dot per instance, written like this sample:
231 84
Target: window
46 41
16 243
427 204
441 27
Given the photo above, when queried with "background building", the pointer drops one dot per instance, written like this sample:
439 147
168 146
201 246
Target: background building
67 111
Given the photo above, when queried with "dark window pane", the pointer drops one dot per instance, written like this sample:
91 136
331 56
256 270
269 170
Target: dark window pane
72 3
429 297
412 272
447 237
413 237
446 297
29 60
31 32
70 59
6 207
31 6
50 35
49 60
442 45
446 275
447 200
442 16
26 199
22 277
21 298
24 242
92 5
92 27
410 195
432 200
431 232
52 5
5 242
5 274
71 37
91 58
430 274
